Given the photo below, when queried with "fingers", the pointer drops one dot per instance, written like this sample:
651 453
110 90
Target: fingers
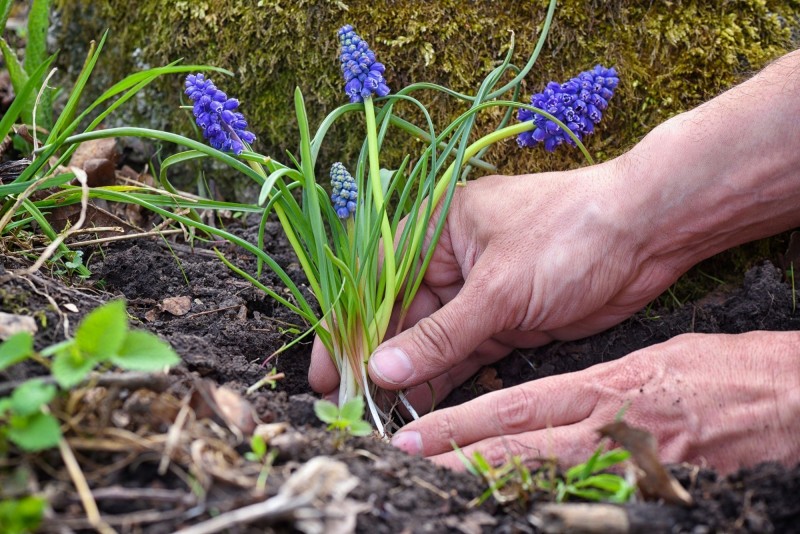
569 445
438 342
555 401
322 374
427 396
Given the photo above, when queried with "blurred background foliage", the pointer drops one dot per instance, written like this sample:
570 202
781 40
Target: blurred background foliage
670 55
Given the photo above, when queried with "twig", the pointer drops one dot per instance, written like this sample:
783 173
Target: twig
129 380
58 287
85 493
274 509
42 89
430 487
101 240
213 311
173 436
122 520
119 493
80 174
20 199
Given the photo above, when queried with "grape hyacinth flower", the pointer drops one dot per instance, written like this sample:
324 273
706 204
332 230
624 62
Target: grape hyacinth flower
363 75
345 191
578 103
216 115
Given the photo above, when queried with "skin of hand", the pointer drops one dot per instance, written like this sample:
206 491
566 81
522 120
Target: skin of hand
713 399
483 293
527 259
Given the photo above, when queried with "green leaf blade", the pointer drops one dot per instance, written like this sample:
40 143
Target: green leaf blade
15 349
102 333
35 433
70 368
28 398
143 351
360 428
38 22
353 410
326 411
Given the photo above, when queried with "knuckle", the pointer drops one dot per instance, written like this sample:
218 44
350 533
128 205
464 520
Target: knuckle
434 343
445 432
513 410
501 451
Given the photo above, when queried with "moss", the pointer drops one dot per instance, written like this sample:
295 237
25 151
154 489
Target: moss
15 302
671 56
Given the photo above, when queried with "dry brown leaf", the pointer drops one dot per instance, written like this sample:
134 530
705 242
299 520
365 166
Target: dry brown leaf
654 480
177 306
225 406
488 379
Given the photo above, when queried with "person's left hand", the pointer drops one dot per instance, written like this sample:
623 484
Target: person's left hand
723 400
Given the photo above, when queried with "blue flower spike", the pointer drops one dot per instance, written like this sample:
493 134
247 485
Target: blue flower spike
363 76
215 113
578 103
345 191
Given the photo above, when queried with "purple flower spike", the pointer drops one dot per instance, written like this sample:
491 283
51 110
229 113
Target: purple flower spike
215 114
363 76
345 191
578 103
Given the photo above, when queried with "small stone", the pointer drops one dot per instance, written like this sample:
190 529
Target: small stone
11 324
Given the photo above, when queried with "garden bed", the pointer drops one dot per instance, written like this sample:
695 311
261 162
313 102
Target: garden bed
223 328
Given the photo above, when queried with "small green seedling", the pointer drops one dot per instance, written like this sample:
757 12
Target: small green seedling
347 420
30 425
588 481
260 453
510 482
514 482
21 516
102 339
270 379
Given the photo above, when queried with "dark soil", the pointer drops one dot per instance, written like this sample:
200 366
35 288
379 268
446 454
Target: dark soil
224 339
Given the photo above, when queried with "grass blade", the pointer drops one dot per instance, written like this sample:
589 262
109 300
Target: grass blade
17 106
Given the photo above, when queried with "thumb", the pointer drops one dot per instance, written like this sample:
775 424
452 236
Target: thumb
436 343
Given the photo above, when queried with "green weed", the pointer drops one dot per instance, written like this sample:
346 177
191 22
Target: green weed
345 421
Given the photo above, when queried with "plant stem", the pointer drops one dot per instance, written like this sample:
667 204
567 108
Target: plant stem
389 271
292 237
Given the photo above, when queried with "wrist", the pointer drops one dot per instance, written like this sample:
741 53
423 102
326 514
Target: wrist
722 174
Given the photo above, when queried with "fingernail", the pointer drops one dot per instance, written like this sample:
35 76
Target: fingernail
391 365
408 441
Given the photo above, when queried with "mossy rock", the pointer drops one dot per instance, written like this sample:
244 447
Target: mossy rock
670 55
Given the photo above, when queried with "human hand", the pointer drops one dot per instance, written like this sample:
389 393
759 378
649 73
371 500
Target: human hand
725 400
522 260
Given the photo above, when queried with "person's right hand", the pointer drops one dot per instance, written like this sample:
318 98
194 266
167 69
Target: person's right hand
522 260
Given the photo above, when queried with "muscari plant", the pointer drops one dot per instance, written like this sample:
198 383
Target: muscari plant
362 245
358 258
24 200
